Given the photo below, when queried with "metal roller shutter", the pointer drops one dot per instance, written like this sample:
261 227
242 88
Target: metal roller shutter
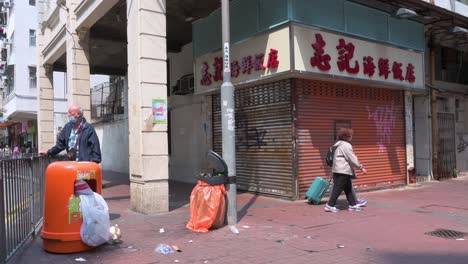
377 118
263 138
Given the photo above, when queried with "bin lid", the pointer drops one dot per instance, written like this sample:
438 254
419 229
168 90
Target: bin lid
216 162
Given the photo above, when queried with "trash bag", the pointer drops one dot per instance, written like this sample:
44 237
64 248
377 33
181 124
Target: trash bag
207 207
95 228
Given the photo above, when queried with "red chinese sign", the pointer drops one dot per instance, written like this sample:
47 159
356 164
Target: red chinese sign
248 65
346 53
369 66
346 62
320 59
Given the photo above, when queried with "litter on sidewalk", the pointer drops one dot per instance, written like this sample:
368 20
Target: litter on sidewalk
176 248
164 249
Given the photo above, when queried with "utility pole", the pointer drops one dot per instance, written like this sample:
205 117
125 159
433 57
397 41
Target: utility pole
228 122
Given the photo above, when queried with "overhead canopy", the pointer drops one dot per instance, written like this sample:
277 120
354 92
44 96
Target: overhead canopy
439 21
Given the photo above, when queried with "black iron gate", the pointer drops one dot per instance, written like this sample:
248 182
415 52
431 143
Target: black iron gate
446 154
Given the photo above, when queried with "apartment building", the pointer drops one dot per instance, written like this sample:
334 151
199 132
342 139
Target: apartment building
18 72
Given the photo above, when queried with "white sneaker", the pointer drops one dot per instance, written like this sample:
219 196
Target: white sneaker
354 208
361 202
331 209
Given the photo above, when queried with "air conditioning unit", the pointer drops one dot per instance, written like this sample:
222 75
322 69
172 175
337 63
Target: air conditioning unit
7 3
185 85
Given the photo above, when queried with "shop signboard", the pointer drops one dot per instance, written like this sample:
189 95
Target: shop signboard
296 50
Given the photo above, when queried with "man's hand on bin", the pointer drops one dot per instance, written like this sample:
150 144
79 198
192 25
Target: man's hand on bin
42 153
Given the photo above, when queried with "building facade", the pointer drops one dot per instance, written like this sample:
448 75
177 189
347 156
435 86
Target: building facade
305 71
19 74
441 112
19 70
418 133
302 69
119 38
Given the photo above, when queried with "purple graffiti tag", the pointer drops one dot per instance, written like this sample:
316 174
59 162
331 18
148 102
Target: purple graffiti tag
384 118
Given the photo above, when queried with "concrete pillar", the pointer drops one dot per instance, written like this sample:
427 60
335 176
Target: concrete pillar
409 131
45 96
45 112
78 72
147 80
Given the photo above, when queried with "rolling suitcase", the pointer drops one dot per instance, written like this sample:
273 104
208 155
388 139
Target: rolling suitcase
317 190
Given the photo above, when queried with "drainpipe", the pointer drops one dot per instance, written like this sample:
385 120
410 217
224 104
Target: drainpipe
435 127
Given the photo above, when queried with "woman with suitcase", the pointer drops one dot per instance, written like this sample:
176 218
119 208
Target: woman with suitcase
344 162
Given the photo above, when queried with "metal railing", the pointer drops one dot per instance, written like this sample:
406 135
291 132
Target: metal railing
18 156
21 201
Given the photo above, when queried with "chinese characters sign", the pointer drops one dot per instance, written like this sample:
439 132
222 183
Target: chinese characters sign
257 58
315 51
327 53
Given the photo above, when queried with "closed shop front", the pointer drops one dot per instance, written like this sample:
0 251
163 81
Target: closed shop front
375 115
264 153
265 133
297 82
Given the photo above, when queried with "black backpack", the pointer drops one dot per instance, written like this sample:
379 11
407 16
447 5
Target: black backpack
330 155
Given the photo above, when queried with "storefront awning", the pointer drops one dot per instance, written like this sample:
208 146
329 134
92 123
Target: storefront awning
6 124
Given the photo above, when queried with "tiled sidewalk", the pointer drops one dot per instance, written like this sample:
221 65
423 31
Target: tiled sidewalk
390 230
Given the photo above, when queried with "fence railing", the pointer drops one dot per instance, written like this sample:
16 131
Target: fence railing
18 156
21 201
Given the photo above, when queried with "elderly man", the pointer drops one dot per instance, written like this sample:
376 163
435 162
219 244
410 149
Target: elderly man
78 138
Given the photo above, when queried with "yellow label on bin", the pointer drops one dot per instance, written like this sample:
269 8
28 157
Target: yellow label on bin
86 175
74 214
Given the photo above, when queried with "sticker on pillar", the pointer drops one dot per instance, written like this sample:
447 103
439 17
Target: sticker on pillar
74 214
85 175
159 111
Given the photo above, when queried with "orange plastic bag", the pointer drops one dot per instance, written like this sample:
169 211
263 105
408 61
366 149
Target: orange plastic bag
207 207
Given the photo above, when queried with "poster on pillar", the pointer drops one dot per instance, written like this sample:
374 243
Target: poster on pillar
159 110
333 54
257 58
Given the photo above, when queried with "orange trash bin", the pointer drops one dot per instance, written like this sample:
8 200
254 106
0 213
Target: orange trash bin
62 217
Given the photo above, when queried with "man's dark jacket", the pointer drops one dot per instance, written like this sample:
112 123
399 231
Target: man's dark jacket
89 149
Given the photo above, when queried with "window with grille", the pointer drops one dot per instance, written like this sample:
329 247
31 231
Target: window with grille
107 100
463 1
32 77
32 38
451 65
10 80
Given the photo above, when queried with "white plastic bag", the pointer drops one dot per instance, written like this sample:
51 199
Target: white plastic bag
95 228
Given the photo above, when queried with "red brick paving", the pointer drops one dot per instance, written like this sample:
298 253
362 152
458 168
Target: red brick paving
390 230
